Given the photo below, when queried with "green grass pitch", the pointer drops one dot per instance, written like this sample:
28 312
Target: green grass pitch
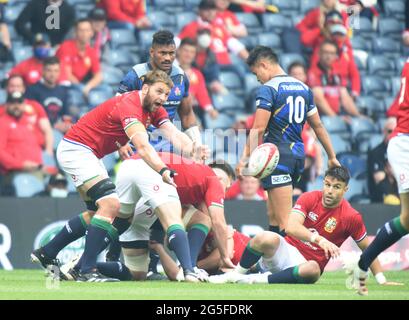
32 284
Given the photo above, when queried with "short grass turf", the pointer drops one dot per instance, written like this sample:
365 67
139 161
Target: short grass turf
32 284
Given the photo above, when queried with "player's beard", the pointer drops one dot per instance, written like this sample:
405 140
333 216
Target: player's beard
149 104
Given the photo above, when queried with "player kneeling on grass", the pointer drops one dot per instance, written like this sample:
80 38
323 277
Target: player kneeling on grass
318 224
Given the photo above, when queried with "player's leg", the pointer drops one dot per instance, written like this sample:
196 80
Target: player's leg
280 200
197 225
157 235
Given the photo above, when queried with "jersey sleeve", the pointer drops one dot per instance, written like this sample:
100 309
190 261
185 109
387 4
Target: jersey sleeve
356 227
160 117
215 193
311 107
130 82
303 204
265 98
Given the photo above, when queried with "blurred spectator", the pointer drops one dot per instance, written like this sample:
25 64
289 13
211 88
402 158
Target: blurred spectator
37 16
258 7
206 62
186 54
56 187
248 188
31 69
5 42
102 37
298 71
36 114
126 14
336 31
329 91
19 150
231 22
52 96
381 181
365 8
221 42
80 60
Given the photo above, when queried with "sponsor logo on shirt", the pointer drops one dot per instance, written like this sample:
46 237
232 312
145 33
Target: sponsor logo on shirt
313 216
177 91
283 178
156 188
330 225
149 212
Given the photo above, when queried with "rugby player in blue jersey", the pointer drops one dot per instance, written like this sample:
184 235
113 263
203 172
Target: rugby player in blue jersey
284 104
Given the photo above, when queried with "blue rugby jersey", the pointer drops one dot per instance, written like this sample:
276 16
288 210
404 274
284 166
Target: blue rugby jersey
290 102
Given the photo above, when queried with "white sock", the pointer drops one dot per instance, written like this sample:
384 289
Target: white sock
240 269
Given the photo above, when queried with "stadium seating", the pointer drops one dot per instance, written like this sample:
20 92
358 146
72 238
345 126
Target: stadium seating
27 185
360 125
395 85
3 96
317 184
365 28
390 27
307 5
112 75
360 43
122 37
380 65
76 97
287 7
99 95
394 9
387 46
12 11
275 23
375 85
232 81
340 144
271 40
183 18
370 105
21 53
57 138
356 187
223 121
251 22
170 6
162 19
399 63
287 59
334 124
355 164
368 144
228 103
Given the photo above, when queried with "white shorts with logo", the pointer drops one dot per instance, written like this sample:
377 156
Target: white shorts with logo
286 256
79 162
398 157
141 190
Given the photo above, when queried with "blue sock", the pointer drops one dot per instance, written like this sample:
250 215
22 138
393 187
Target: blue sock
196 235
390 233
177 239
114 251
115 270
73 230
249 257
99 232
289 275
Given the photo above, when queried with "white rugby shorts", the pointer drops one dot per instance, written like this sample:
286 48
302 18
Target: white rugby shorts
398 155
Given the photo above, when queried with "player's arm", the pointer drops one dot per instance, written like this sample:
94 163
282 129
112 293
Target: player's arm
182 142
139 137
169 265
296 229
214 260
188 119
323 136
375 266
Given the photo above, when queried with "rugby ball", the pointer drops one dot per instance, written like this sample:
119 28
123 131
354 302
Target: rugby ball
263 160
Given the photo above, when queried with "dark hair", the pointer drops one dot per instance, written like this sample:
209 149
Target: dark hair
51 61
297 64
81 21
223 165
163 38
188 42
6 83
261 52
339 173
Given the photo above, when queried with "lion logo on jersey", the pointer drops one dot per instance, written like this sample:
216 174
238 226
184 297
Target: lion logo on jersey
330 225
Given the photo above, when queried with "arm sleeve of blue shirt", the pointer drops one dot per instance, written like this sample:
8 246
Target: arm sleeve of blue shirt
311 107
130 82
265 98
186 85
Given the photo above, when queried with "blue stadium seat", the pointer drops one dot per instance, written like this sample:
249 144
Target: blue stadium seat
121 59
356 187
112 75
145 38
394 8
386 45
360 43
387 102
360 125
390 27
340 144
287 5
3 96
232 81
317 184
251 83
13 11
162 19
355 164
22 53
110 161
287 59
368 144
375 85
271 40
192 4
76 97
250 42
365 29
395 85
123 37
183 18
250 21
170 6
334 124
228 103
360 199
361 58
27 185
370 105
98 96
307 5
399 63
57 138
223 121
275 22
380 65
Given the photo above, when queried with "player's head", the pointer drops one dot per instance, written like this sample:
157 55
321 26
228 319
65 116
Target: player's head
83 31
335 185
328 53
224 172
298 71
263 62
187 52
163 50
156 88
51 70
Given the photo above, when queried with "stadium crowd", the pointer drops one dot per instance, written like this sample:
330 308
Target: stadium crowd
349 52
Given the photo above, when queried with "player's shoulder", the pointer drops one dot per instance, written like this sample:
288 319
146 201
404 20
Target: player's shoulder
287 82
348 209
176 70
141 69
311 196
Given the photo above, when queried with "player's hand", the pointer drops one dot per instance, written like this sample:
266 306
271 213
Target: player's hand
330 249
213 113
125 152
201 152
227 263
242 169
333 162
391 283
167 177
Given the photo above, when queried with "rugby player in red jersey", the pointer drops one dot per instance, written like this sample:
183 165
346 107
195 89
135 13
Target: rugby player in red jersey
398 152
318 224
100 132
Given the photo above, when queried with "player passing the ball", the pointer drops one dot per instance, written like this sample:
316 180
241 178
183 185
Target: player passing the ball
284 104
